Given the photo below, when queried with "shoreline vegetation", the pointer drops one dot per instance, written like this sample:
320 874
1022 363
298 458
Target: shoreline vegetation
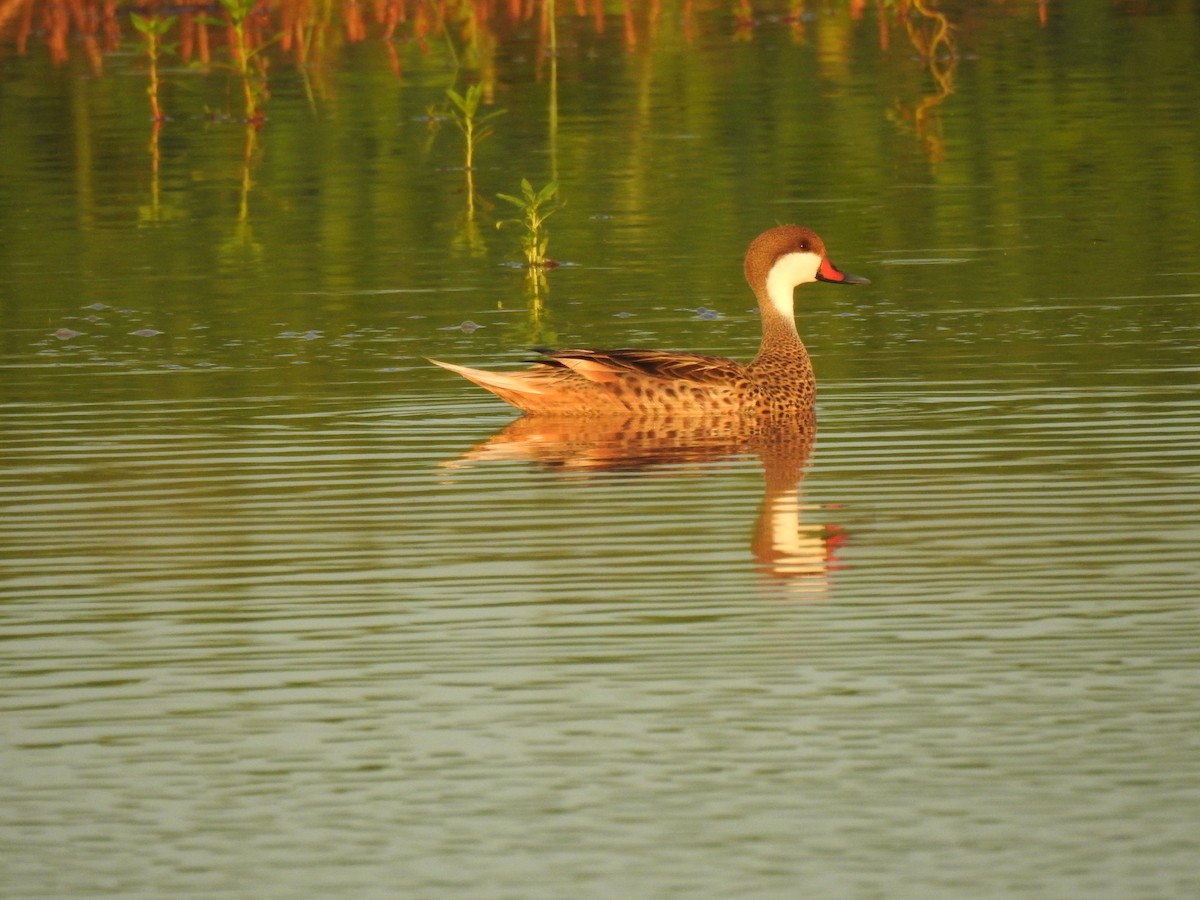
234 35
241 41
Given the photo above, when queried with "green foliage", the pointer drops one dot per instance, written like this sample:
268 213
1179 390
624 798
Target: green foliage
152 26
238 10
536 207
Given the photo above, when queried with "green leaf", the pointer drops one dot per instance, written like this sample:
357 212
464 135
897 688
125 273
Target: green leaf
238 9
151 25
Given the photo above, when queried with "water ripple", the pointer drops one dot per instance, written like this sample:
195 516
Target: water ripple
282 622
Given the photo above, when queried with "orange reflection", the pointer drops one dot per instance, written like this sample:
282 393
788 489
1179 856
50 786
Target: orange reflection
931 35
90 23
308 32
783 544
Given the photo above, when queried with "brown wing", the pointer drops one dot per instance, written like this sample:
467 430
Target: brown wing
606 366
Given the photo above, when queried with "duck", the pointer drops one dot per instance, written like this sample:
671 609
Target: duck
778 383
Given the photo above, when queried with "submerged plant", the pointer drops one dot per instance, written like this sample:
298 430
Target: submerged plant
536 207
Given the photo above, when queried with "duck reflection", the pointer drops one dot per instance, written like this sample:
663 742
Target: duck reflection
783 544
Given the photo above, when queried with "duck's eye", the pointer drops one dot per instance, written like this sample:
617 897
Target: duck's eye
804 248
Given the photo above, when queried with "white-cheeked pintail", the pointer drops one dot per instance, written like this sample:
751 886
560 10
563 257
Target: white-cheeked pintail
777 383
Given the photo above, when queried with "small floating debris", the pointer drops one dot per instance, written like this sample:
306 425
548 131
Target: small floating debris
703 312
309 335
468 326
146 332
65 334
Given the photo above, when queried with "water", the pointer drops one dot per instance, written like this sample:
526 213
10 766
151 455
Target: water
287 611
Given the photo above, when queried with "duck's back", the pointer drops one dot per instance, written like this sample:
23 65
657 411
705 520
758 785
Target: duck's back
646 382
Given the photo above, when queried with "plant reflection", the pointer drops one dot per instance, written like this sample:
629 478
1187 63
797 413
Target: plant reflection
466 36
153 211
242 243
932 36
783 545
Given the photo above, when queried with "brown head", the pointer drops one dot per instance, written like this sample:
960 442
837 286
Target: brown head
786 256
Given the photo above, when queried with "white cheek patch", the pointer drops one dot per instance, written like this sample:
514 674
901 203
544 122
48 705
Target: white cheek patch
789 271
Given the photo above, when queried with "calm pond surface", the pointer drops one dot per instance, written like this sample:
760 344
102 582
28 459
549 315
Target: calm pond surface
288 612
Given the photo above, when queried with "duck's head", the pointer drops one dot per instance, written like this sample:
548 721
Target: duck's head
786 256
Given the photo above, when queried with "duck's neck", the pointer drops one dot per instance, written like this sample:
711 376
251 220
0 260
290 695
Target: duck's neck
779 335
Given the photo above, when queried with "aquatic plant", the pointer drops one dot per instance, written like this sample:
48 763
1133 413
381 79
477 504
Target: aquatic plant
246 45
152 28
474 127
929 31
536 207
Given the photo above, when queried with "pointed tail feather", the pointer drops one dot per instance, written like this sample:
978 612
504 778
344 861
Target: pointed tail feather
505 381
513 388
